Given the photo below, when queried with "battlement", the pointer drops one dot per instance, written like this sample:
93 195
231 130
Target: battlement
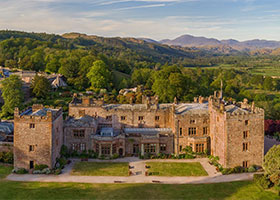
37 113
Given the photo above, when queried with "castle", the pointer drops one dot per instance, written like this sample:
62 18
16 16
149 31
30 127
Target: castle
232 131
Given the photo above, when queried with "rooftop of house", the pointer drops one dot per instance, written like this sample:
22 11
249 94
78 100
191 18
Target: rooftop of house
235 109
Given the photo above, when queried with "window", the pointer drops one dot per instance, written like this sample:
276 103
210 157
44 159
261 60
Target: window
246 122
114 150
204 120
181 132
31 164
82 146
157 126
31 125
122 118
149 148
205 131
192 131
245 134
140 118
105 149
135 148
96 148
79 133
109 117
180 148
192 121
162 147
245 164
245 146
217 119
31 147
75 147
199 148
157 118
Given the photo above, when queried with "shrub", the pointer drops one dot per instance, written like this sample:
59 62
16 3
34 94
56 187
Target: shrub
238 169
40 167
64 151
7 157
226 171
46 171
252 169
262 181
115 156
57 171
62 162
20 171
188 156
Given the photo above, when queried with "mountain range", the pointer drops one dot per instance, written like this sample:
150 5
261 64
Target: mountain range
203 42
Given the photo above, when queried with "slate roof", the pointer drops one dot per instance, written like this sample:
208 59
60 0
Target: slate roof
235 109
148 131
86 121
191 108
41 112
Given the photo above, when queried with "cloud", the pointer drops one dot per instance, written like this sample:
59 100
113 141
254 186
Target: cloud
143 6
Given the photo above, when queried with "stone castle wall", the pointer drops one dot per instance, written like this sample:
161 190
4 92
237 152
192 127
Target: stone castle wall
6 146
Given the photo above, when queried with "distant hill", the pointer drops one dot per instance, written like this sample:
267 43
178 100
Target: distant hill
192 41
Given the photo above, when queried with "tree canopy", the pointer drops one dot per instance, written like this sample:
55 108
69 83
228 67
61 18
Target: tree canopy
12 95
41 87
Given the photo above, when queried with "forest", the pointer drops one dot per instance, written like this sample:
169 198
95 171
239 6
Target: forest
106 65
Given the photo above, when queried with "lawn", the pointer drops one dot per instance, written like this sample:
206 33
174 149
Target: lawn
35 190
176 169
100 169
5 170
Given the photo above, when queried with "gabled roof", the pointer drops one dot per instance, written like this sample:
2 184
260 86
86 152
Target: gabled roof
58 82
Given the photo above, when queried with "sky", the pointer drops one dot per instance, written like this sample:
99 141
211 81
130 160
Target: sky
155 19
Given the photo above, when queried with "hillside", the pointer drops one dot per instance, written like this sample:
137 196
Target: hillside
192 41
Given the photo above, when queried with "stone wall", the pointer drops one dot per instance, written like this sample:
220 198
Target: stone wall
6 147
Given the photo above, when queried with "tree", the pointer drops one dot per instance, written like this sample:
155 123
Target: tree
41 86
12 95
272 164
268 84
99 75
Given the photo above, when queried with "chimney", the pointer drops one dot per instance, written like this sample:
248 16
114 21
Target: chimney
16 111
222 107
36 107
175 100
85 100
200 100
82 113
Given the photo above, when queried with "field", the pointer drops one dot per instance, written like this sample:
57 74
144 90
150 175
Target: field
33 190
100 169
176 169
265 70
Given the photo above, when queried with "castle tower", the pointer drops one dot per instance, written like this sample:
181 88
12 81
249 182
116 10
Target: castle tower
38 137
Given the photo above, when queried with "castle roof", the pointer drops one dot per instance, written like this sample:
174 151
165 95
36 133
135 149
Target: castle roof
39 112
235 109
85 121
148 131
191 108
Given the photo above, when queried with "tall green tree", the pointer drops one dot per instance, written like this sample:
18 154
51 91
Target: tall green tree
99 75
41 86
12 95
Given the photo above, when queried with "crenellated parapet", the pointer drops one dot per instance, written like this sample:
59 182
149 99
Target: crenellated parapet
37 113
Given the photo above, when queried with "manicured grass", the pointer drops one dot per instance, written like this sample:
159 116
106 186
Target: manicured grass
230 191
35 190
176 169
5 170
100 169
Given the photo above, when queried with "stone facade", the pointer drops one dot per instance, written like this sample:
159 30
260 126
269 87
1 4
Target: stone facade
38 136
234 132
